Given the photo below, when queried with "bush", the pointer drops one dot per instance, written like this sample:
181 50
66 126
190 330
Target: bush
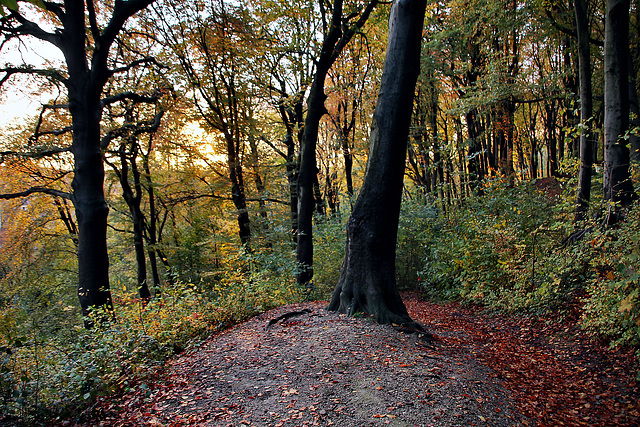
491 249
612 305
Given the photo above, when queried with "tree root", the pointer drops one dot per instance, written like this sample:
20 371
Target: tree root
288 316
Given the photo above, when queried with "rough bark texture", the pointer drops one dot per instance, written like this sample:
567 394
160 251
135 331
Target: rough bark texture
367 281
586 109
617 180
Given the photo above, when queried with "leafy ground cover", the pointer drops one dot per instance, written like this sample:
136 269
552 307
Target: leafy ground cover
320 368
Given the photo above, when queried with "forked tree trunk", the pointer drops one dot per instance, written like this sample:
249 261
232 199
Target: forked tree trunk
339 33
367 280
617 180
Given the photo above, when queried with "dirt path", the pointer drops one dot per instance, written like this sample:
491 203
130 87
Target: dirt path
320 368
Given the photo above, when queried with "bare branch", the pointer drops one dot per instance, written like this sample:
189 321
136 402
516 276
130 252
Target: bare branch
44 72
39 154
570 31
146 60
32 190
133 96
272 145
132 128
30 28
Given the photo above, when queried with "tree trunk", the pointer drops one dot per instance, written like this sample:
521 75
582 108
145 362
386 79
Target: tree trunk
152 229
586 110
617 180
339 33
237 189
90 205
367 280
475 151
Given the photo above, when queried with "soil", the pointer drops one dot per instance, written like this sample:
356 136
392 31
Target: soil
317 368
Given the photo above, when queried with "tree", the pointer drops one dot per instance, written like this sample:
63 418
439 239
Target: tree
130 175
618 187
207 39
367 280
338 32
85 39
586 109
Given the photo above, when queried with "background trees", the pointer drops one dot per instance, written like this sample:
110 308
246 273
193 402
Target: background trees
236 139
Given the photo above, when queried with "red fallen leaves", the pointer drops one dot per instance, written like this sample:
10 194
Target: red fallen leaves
558 374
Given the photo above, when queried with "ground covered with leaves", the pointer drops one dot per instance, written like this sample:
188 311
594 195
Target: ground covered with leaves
321 368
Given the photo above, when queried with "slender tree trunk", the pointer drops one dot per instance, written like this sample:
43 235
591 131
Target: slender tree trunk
152 228
132 198
475 152
258 182
634 107
307 175
367 281
550 136
586 110
617 180
237 189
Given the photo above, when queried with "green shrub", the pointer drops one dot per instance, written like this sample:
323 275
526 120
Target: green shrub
612 305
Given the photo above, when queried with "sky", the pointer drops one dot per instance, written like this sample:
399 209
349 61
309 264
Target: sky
20 100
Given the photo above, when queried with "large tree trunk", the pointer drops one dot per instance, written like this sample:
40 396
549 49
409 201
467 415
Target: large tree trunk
90 205
85 85
367 280
586 110
617 180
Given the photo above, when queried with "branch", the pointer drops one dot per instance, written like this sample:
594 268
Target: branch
189 197
44 72
570 32
133 96
122 10
270 144
133 64
30 28
93 23
134 128
34 154
348 33
32 190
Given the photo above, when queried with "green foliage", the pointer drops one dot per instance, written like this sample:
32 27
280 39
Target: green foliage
329 238
612 307
507 250
416 233
45 375
490 249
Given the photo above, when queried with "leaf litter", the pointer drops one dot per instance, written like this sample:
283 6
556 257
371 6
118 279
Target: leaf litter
320 369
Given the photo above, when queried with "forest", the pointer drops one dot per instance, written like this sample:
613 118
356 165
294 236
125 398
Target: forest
191 164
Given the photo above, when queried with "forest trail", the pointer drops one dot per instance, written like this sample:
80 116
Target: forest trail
320 368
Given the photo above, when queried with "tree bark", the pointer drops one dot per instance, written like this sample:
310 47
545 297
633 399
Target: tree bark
367 280
90 205
586 110
617 180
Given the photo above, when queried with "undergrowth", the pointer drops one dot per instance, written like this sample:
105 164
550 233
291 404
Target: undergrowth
507 250
46 376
